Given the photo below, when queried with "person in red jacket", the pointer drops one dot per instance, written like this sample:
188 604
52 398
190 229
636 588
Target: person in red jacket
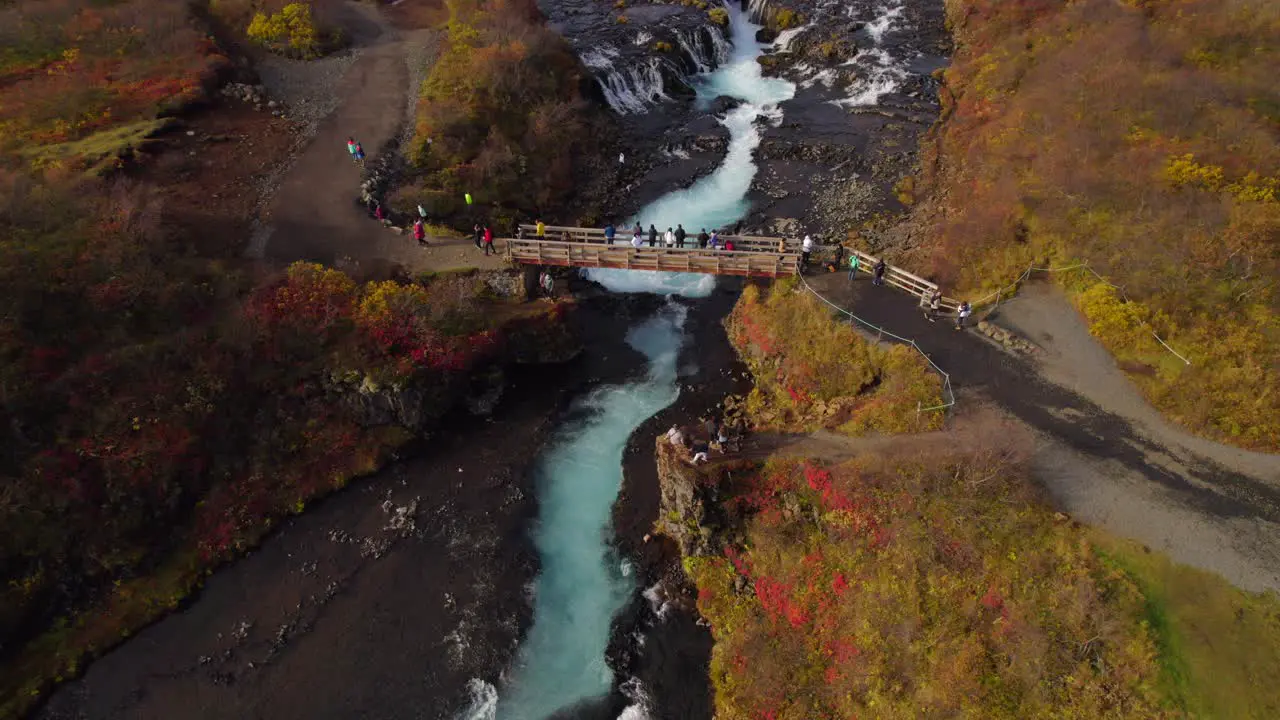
420 232
488 240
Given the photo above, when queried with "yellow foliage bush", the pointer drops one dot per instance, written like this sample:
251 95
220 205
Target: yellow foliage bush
290 31
719 16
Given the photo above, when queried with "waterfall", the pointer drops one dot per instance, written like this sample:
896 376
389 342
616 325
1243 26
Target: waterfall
633 89
723 50
755 11
696 51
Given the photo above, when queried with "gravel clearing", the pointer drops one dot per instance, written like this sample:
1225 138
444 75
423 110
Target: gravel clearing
307 89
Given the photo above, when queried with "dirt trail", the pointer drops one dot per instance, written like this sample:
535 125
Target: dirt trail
1103 454
314 214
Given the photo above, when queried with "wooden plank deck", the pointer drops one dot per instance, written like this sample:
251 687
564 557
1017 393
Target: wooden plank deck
749 243
625 257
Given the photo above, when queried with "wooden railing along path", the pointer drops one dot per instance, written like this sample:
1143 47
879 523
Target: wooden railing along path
899 278
625 257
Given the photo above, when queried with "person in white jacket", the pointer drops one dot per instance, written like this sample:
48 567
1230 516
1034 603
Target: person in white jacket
806 248
669 238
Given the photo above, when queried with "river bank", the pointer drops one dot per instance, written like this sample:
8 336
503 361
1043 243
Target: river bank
405 569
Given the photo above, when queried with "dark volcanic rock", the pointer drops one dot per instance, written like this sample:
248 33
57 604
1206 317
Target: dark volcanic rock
724 104
766 35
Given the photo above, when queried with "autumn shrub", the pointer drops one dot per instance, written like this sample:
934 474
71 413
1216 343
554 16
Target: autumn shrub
719 16
500 115
812 370
292 31
1135 137
933 585
72 71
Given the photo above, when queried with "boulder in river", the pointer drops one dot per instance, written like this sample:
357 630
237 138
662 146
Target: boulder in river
766 35
724 104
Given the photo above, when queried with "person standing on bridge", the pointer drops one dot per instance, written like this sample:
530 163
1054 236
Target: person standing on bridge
680 235
877 272
806 251
854 264
703 238
637 236
728 244
540 230
653 236
669 239
714 239
420 232
609 232
488 240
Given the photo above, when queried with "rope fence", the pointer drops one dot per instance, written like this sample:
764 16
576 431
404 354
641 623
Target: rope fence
948 395
1013 287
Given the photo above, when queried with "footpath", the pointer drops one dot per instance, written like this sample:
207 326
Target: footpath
1105 455
314 214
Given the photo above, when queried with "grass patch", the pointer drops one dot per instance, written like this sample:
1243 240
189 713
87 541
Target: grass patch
100 152
1219 646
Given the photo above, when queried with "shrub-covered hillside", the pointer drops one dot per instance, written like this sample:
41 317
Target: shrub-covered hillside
500 115
1141 137
813 371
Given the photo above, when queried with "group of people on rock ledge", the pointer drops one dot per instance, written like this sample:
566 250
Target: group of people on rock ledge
713 436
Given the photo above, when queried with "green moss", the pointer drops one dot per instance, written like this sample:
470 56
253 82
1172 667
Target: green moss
101 151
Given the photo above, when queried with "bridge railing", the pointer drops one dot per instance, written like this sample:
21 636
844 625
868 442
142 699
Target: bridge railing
750 243
899 278
743 263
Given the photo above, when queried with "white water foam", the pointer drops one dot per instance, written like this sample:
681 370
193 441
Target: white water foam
483 701
782 43
600 57
633 89
690 285
884 22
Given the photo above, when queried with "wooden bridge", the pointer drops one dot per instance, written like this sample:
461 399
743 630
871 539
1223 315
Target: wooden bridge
586 247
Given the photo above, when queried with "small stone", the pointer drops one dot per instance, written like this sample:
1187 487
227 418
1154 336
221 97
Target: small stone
191 133
272 104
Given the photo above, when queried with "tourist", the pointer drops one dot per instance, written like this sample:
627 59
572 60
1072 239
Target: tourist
699 452
963 314
488 241
877 272
782 245
540 230
637 241
420 232
378 212
931 301
519 231
728 244
609 232
680 235
703 238
548 285
359 154
714 240
622 158
675 437
854 263
839 258
422 212
564 236
653 236
478 235
806 250
351 147
669 239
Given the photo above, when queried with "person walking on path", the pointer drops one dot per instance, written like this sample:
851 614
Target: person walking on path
478 235
378 212
963 314
680 235
353 148
702 239
422 212
806 250
488 241
420 232
669 239
359 155
609 232
877 272
854 264
540 230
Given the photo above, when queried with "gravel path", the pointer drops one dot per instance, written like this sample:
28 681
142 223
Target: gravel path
1104 455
